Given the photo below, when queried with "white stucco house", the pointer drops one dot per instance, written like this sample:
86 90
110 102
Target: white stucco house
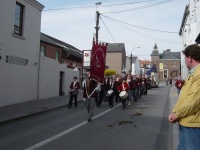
25 73
134 66
19 50
189 30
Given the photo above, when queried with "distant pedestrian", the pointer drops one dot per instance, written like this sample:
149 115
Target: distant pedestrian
187 109
74 86
170 81
179 83
166 81
90 90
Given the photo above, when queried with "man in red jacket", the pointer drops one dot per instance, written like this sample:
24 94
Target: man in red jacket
123 87
179 83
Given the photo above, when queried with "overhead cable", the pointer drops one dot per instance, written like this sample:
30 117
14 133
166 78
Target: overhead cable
136 26
111 34
147 36
138 8
109 5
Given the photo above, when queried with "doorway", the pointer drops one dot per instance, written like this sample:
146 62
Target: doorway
61 93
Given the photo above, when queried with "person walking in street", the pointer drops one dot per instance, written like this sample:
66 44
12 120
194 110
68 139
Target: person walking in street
135 88
110 93
124 87
130 91
90 90
179 83
187 109
105 87
117 82
170 81
100 96
166 81
74 86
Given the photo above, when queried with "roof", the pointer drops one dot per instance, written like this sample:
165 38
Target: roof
147 62
184 17
170 55
155 46
155 51
66 47
115 47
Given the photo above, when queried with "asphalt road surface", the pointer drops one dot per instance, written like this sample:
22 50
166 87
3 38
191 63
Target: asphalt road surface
141 126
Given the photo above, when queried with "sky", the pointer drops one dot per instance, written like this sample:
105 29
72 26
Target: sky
136 23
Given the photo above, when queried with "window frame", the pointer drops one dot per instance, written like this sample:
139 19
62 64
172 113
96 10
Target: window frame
21 19
43 50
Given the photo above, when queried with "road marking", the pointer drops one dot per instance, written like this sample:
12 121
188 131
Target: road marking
38 145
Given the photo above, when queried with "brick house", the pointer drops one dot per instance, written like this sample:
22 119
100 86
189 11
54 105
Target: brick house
62 52
116 57
167 63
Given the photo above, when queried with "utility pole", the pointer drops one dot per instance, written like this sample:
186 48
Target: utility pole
97 25
131 62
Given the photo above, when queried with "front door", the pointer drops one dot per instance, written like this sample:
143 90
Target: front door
61 84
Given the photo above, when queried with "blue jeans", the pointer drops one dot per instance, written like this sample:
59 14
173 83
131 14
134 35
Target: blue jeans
189 138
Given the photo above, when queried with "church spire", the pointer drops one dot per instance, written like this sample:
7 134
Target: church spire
155 51
155 47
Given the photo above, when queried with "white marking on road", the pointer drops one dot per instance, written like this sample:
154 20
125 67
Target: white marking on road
38 145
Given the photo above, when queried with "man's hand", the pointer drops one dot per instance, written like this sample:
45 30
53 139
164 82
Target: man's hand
172 118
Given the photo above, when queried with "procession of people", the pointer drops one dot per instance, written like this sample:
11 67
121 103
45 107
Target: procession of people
123 89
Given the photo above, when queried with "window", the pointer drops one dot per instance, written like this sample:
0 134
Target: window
18 26
57 55
43 50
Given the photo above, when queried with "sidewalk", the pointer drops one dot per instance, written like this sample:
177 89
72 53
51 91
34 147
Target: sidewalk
173 99
21 110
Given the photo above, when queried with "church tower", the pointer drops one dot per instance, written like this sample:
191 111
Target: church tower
155 57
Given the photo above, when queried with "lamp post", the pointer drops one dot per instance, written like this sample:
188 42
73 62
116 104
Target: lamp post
132 58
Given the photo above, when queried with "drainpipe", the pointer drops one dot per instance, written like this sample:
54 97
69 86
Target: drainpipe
38 77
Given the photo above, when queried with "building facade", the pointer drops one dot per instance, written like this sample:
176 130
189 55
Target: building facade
29 70
19 45
116 57
168 63
190 30
132 65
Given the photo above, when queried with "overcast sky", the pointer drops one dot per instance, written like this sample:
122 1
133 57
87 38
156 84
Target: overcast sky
136 23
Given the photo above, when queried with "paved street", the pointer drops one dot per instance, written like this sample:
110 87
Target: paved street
142 126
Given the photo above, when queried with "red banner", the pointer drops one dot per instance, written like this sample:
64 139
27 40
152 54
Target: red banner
98 60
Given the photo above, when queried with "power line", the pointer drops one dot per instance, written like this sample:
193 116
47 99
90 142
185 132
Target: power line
127 3
109 5
110 34
108 30
145 35
142 7
139 26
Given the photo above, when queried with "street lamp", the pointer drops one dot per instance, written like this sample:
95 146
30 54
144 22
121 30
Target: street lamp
98 3
132 58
